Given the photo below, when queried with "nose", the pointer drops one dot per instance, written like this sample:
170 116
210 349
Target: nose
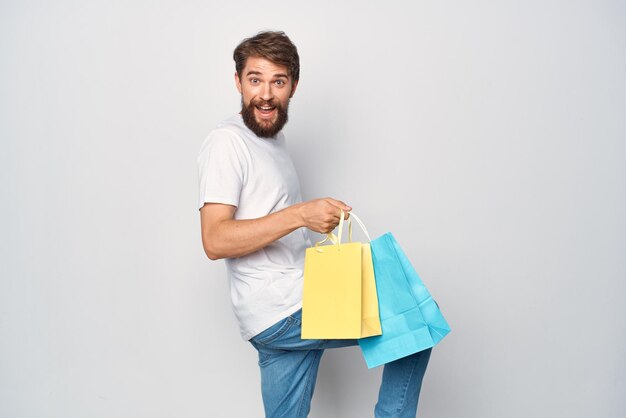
266 92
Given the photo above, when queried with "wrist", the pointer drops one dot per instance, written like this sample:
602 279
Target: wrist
295 216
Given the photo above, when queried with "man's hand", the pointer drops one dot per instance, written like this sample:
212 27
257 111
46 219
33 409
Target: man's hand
322 215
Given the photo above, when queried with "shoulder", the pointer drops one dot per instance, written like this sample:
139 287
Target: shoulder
227 135
233 125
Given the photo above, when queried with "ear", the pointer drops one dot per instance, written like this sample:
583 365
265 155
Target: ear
238 82
293 89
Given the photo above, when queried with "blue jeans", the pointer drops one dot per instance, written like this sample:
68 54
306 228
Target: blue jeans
289 367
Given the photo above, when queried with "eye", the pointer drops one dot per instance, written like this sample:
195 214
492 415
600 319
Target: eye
254 81
280 82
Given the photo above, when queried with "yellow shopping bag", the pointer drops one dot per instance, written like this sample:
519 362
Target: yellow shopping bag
339 299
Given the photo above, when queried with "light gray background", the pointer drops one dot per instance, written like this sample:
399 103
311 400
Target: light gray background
488 136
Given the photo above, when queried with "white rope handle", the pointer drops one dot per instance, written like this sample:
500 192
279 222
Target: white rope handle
336 239
361 224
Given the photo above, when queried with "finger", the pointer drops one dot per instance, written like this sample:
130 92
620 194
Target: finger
339 204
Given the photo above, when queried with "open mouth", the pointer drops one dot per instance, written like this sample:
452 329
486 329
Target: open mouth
265 110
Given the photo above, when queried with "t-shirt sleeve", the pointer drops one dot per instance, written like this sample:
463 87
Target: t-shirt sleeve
221 169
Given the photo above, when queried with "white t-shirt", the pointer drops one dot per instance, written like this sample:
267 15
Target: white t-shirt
258 177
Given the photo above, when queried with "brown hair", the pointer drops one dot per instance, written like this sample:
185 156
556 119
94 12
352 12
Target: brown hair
273 46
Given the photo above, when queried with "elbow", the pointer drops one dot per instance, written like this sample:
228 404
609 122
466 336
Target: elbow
212 251
213 256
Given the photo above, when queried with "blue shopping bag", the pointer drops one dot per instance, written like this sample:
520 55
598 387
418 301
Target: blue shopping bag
410 318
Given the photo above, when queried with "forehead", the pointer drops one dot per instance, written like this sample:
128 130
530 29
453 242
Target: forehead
262 66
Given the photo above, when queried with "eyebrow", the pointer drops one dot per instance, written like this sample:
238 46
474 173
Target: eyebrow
279 75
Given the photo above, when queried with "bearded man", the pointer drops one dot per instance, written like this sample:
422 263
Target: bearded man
252 215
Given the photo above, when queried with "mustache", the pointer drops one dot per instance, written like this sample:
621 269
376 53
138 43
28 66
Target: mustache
261 102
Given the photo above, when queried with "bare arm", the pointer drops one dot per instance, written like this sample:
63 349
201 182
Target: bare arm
225 237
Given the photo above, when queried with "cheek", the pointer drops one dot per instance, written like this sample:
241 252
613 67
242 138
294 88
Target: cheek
284 99
247 98
247 94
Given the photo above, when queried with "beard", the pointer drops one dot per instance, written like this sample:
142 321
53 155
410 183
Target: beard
264 128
